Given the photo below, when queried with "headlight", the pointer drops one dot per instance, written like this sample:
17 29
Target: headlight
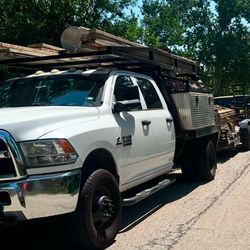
43 153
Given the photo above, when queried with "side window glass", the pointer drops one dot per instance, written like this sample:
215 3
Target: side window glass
122 82
149 93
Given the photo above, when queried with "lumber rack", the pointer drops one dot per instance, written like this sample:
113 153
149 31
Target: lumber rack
120 57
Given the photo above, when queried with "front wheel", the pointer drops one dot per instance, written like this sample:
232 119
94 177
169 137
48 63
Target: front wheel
98 215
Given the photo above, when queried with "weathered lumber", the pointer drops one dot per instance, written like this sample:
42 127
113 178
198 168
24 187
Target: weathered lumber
79 39
12 51
92 47
47 48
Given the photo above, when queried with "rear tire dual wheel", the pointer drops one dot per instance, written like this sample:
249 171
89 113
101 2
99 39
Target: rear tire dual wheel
245 138
206 161
96 221
199 161
187 162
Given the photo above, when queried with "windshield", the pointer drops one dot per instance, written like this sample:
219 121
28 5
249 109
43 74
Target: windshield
52 91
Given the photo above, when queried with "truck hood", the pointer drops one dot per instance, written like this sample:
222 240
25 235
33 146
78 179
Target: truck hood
29 123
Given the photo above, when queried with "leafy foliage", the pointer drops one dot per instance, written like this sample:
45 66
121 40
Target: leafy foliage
32 21
217 39
215 33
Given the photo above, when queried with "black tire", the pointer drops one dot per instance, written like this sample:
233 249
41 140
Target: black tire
97 218
206 161
187 162
245 138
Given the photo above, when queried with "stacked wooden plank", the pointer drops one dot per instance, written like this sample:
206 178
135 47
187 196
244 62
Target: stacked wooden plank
93 47
226 118
81 39
227 125
12 51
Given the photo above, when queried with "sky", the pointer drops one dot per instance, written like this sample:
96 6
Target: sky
139 3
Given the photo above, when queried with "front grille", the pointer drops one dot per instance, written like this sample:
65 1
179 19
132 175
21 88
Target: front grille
7 167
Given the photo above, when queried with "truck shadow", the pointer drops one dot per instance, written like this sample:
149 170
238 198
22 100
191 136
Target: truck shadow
35 235
224 156
133 215
48 234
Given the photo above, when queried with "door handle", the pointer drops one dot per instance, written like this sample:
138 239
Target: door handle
168 120
146 123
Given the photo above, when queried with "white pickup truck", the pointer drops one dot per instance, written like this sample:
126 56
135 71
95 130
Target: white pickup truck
73 141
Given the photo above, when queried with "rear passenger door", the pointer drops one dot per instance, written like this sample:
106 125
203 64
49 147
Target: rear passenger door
161 127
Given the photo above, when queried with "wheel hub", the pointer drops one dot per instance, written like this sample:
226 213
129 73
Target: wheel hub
106 206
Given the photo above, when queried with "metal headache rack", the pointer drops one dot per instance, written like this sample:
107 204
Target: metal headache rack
120 57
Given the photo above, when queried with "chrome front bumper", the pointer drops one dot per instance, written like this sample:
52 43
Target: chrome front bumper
40 196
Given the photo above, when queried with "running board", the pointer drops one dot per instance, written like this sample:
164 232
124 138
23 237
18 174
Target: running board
147 192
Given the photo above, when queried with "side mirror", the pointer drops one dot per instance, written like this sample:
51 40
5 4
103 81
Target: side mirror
132 100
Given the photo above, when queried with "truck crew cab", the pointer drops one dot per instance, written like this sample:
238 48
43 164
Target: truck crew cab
72 141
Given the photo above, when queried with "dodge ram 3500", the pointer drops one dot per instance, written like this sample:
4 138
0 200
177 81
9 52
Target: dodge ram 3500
73 141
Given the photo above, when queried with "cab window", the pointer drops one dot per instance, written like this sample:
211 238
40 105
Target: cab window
149 93
123 82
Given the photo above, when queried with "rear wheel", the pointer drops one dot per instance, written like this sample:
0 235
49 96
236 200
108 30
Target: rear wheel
245 138
206 161
187 161
199 161
97 218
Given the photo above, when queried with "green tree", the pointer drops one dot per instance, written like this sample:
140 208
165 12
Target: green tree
161 24
128 27
231 46
32 21
244 9
218 40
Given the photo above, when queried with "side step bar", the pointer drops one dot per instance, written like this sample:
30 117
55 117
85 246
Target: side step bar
147 192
